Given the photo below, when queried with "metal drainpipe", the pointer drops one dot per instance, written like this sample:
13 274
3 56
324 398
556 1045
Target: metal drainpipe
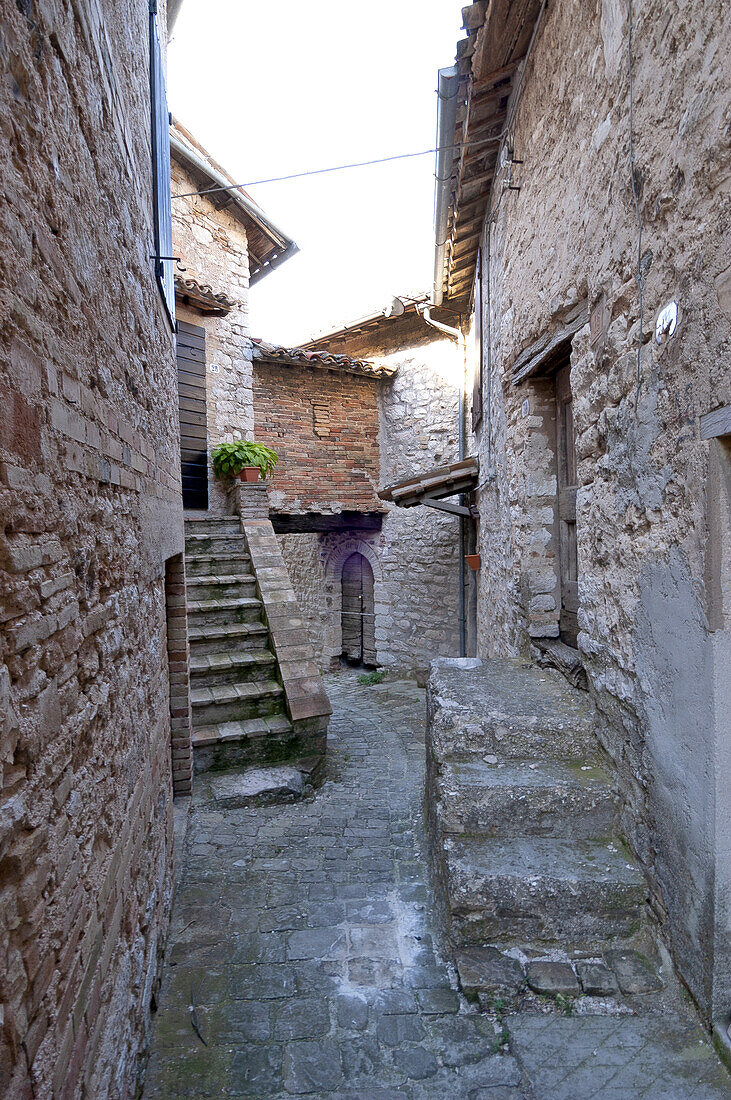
457 335
462 524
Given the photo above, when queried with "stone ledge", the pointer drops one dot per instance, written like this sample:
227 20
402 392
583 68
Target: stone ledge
305 695
251 499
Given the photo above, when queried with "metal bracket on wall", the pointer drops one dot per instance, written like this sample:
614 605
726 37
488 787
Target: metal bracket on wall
443 506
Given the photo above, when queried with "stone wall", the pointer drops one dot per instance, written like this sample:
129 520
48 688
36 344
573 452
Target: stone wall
90 506
324 427
419 419
570 235
305 566
213 248
415 557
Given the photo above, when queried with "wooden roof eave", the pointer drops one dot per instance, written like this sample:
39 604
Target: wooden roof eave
443 481
499 36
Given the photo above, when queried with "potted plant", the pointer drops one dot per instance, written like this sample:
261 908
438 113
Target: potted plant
243 459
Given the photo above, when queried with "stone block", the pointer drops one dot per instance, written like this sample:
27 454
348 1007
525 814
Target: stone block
552 978
487 970
596 980
634 972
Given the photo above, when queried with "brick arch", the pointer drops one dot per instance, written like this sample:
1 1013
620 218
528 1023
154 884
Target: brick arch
333 569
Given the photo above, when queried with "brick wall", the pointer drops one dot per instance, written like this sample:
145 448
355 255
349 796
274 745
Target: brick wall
178 655
90 507
324 426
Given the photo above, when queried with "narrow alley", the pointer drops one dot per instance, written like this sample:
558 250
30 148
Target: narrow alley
305 956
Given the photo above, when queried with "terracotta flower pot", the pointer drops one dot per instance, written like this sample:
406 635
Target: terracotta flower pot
250 473
473 560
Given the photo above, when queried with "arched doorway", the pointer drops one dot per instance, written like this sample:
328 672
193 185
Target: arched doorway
358 611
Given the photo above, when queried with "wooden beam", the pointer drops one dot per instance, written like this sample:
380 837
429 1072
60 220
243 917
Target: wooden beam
499 74
716 423
291 523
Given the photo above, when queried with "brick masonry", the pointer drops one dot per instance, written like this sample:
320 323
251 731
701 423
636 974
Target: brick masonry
324 427
178 655
90 505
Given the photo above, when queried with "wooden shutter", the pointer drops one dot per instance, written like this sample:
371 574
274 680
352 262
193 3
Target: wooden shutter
477 384
163 222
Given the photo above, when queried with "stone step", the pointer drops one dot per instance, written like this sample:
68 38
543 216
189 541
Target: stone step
239 789
236 702
218 546
223 612
487 972
222 525
542 891
214 669
234 638
522 798
207 564
221 586
511 708
256 741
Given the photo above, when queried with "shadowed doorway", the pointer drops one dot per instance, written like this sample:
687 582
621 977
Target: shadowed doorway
358 611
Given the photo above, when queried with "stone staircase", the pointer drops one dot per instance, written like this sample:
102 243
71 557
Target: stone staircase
238 703
523 819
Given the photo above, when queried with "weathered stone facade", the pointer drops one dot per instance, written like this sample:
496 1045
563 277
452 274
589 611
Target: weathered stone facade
650 628
91 513
419 410
213 248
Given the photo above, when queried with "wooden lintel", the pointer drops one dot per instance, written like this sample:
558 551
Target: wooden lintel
292 523
499 74
716 423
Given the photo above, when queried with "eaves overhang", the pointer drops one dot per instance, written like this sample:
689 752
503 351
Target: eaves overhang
487 67
434 484
264 352
268 245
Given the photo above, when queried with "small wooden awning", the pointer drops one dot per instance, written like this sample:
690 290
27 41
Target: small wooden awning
431 487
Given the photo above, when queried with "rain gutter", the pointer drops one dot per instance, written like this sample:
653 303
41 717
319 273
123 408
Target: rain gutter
448 85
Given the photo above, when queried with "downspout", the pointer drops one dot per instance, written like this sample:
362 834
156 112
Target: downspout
448 92
447 88
456 334
174 7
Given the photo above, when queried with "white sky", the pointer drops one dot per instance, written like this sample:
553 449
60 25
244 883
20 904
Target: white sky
278 86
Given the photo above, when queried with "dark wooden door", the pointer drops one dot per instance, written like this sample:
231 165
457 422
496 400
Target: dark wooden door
566 462
358 611
191 344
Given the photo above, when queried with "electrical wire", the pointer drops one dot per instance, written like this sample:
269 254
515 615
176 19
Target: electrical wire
341 167
635 194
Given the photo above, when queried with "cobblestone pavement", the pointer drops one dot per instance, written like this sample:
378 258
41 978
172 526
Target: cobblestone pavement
306 937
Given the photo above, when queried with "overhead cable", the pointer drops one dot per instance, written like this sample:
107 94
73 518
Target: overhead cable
341 167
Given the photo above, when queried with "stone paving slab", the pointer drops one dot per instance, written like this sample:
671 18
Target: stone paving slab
307 938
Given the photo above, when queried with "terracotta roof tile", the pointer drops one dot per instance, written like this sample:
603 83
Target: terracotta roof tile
322 359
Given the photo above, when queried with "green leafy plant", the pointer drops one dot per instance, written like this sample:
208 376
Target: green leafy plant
229 459
372 678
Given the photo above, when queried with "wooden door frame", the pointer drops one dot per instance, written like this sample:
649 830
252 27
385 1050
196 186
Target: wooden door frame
191 360
566 488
